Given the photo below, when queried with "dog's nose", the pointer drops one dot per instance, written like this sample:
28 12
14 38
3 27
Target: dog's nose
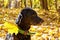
41 21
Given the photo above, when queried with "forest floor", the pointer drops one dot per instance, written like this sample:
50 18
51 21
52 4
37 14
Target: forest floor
50 28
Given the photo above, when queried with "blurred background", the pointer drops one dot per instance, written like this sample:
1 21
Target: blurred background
48 10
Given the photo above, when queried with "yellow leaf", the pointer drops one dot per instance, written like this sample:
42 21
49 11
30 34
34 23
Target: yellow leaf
12 28
38 34
32 30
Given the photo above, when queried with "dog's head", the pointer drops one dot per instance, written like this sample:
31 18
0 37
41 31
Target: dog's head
29 16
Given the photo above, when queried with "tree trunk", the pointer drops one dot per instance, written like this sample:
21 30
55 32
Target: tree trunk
44 4
56 4
9 4
21 3
25 3
31 3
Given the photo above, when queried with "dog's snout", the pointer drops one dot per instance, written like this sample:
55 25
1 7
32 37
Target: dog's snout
38 20
41 21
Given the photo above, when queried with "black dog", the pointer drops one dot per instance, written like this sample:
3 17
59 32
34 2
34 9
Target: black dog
26 18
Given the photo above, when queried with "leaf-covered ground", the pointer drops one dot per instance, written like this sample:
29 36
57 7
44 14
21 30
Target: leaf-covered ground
50 28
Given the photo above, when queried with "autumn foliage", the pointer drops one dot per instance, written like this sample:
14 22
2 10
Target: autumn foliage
50 28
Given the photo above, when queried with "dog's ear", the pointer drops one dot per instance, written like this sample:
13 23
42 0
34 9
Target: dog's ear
18 20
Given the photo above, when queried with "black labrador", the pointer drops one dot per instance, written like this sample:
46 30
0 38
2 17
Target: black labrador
26 18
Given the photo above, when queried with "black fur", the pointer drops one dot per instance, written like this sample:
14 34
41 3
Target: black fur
28 17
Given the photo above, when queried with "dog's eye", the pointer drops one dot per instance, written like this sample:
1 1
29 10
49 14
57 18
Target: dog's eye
34 15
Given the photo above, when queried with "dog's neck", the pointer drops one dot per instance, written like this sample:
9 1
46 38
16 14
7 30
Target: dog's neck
24 26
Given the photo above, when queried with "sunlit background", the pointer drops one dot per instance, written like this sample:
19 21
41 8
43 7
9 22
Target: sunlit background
48 10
